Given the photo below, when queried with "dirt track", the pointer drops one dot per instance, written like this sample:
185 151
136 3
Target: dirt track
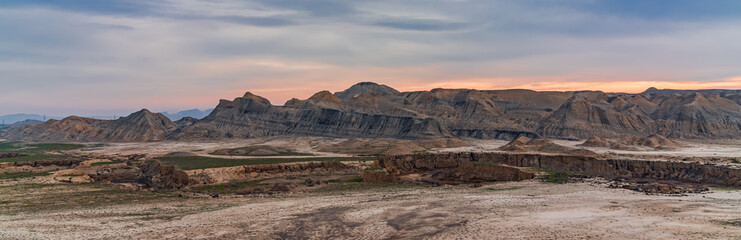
522 210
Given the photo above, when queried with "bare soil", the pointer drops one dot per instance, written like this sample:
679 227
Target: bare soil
528 209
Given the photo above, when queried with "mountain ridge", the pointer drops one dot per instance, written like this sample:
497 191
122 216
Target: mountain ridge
378 111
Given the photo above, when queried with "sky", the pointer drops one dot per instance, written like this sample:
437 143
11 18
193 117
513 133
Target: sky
91 57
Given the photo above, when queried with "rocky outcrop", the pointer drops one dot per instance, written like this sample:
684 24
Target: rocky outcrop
451 170
264 171
608 168
163 177
150 173
321 115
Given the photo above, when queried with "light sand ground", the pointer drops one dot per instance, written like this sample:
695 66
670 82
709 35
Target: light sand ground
689 149
303 145
203 148
535 211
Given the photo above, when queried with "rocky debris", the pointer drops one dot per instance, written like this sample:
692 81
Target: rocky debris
149 173
526 144
586 165
12 155
653 187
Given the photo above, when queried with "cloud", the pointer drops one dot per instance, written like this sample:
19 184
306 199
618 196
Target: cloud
127 54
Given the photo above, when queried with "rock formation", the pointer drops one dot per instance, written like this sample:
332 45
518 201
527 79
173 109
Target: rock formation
525 144
445 170
377 111
633 143
150 173
139 126
593 166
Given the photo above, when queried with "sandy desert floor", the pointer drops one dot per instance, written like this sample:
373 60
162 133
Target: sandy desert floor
515 210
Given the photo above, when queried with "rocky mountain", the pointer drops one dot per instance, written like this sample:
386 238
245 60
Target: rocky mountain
365 87
321 115
192 113
139 126
372 110
19 117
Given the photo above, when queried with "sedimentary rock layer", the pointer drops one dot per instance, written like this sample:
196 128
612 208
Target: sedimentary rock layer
374 111
608 168
452 169
263 171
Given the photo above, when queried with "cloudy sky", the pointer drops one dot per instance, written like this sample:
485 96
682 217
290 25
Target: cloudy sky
91 57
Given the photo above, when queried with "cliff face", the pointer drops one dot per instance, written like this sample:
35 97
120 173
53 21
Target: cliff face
373 110
321 115
608 168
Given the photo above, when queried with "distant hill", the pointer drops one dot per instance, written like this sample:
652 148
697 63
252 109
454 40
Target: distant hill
372 110
13 118
194 113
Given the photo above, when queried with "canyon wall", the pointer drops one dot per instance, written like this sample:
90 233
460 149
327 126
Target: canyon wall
608 168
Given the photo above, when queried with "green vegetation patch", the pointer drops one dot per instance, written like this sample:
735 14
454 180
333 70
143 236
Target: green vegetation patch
38 157
55 146
199 162
503 189
35 152
22 175
34 197
557 177
486 163
735 223
421 151
355 179
4 146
